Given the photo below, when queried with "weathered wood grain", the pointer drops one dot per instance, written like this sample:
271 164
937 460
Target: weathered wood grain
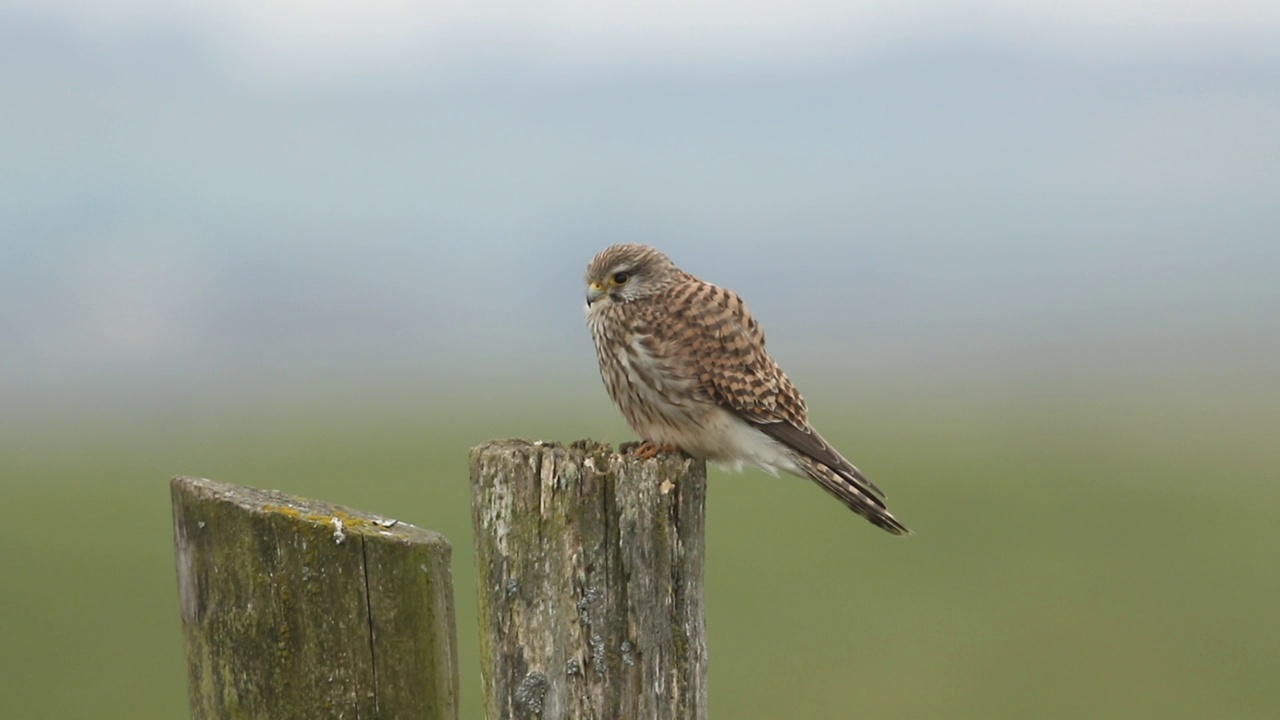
590 582
292 608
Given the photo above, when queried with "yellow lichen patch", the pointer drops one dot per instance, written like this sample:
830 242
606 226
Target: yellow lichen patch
349 521
292 512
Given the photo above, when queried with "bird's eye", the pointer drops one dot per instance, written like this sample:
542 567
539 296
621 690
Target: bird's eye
620 278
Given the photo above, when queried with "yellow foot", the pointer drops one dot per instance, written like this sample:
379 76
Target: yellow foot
647 449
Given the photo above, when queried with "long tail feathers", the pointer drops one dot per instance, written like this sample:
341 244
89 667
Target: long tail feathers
862 501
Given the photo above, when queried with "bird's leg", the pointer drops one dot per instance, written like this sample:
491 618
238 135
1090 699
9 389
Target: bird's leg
649 449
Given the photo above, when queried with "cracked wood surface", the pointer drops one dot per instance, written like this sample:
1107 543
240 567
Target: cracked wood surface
590 582
292 608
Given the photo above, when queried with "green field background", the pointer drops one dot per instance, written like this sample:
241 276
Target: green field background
1095 554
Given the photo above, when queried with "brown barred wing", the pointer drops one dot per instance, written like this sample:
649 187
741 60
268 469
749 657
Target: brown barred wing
715 332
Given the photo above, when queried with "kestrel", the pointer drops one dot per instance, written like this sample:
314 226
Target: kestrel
685 363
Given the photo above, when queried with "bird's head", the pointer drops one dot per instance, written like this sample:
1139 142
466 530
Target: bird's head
622 273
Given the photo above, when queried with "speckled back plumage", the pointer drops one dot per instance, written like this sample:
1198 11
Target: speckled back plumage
686 364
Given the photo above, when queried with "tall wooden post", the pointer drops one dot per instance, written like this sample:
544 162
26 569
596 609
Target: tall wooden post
292 608
590 582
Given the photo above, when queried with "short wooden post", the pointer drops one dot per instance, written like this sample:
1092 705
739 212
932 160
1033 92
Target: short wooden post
590 580
292 608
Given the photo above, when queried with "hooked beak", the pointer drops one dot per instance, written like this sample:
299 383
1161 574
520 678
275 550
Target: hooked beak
594 291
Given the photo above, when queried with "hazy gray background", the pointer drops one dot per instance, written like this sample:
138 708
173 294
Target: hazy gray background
236 195
1022 257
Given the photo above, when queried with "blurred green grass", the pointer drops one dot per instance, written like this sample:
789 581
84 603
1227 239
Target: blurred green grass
1108 555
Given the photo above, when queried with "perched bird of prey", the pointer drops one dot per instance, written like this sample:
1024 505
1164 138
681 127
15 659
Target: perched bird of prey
685 363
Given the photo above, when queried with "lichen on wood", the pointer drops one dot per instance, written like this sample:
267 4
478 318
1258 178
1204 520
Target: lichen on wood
590 582
293 608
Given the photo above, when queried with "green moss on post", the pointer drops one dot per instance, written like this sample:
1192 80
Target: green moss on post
590 582
292 608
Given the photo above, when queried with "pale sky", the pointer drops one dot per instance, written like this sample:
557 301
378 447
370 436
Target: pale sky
344 39
192 187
